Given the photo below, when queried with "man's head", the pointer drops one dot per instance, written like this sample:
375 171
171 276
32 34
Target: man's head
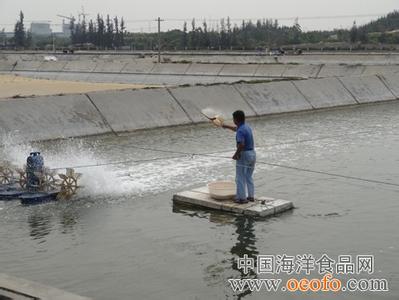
238 117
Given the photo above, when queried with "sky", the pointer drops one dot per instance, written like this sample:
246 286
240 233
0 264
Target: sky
140 15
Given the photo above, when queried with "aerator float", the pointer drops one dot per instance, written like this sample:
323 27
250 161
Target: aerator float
35 183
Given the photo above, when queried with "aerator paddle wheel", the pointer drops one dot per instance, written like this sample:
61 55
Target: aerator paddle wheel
35 183
6 174
69 184
23 179
48 182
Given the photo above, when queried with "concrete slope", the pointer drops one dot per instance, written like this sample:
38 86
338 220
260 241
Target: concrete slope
41 118
169 68
204 69
301 71
67 76
273 97
27 65
127 78
270 70
52 66
327 92
6 65
138 67
340 70
218 99
392 82
367 89
238 70
51 117
109 66
375 70
130 110
80 66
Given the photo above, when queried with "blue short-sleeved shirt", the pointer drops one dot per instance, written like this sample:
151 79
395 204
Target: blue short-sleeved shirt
244 135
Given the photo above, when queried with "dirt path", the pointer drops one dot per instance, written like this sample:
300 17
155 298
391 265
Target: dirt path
18 86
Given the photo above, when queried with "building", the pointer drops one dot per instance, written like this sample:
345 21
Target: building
37 28
66 29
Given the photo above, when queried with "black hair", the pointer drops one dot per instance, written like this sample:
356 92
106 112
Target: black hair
239 116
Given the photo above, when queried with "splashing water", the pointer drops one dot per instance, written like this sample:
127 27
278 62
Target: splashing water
211 112
129 178
116 180
69 153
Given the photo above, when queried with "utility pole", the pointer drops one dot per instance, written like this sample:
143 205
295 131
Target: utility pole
159 38
52 34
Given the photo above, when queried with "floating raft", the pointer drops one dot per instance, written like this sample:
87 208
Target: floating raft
36 198
10 194
262 206
13 191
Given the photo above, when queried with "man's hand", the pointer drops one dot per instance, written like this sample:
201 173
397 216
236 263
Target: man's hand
240 148
236 156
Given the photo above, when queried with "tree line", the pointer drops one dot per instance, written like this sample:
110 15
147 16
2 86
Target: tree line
108 33
225 36
111 33
104 34
264 34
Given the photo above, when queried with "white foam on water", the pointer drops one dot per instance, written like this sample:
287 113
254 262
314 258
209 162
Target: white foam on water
175 173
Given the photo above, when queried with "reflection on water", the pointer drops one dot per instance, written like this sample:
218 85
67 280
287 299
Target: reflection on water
40 224
244 243
42 221
68 220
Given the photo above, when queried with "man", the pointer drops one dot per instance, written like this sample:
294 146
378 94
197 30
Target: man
244 156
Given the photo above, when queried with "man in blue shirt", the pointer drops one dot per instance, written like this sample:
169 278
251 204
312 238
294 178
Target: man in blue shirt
244 156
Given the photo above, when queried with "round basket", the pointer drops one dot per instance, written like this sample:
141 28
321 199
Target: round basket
222 190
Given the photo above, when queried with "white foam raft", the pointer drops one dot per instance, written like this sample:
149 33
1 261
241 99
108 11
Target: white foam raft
262 206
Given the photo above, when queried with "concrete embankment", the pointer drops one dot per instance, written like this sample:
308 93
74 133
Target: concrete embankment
221 57
52 117
22 289
145 71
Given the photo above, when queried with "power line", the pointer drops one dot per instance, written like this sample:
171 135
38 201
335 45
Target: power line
115 163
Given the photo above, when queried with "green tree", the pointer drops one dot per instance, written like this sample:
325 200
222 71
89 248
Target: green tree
117 33
205 40
353 33
382 38
72 28
19 32
122 32
184 40
192 36
91 35
109 33
100 32
229 33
